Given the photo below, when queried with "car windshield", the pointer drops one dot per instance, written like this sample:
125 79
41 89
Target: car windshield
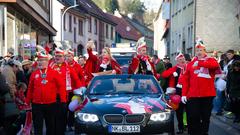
124 84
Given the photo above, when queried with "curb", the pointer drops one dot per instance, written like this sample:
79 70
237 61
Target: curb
227 121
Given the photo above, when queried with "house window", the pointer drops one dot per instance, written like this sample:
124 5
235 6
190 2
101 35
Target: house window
74 20
239 32
64 22
95 26
70 23
75 35
89 24
80 27
95 43
111 33
106 30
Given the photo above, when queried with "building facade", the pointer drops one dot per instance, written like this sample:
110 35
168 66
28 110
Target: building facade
182 27
23 25
215 22
83 23
161 25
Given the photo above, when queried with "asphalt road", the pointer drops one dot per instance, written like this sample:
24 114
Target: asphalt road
217 127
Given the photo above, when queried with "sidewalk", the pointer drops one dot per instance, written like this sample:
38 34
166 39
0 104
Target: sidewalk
227 119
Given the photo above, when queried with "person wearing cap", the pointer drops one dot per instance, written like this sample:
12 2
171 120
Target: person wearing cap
167 62
105 62
79 71
71 84
141 64
9 72
42 92
27 69
175 76
198 90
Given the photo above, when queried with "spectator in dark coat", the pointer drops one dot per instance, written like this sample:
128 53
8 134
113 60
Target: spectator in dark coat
167 63
233 88
4 89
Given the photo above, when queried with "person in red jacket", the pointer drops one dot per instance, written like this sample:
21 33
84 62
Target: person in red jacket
198 90
71 82
142 64
79 71
105 64
175 75
42 91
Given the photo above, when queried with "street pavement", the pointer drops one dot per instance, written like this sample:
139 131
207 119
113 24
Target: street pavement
217 127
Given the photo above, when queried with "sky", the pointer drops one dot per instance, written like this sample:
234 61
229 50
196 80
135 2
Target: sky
152 4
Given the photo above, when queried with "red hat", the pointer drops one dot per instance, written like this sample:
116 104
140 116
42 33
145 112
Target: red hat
141 46
141 43
199 43
69 51
180 55
42 55
59 51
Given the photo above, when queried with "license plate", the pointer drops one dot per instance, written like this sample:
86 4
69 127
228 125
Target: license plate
124 129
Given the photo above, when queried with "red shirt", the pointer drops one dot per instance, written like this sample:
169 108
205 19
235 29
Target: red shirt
44 93
195 86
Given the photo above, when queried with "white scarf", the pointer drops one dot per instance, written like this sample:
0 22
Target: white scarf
203 72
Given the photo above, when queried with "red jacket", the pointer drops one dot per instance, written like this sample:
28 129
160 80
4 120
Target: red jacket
40 93
195 86
132 69
79 71
75 82
169 74
93 63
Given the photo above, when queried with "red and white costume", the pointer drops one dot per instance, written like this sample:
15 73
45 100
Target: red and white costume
69 77
142 63
199 81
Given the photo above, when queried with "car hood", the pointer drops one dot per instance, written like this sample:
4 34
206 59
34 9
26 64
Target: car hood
124 104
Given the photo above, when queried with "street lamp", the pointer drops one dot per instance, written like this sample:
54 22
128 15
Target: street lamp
64 12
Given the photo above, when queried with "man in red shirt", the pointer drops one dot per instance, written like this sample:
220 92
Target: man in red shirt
198 90
71 82
79 71
175 76
42 91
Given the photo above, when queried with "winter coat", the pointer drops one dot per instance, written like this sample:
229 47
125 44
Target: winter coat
10 78
160 67
233 84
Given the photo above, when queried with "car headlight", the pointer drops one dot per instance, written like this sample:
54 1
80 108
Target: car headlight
160 116
86 117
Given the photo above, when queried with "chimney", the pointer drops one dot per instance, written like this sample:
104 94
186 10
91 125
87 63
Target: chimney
117 14
130 15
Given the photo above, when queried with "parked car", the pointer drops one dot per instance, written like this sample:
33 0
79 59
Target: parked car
123 104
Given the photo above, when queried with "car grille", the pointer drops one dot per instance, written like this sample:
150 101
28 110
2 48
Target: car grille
129 118
135 118
113 118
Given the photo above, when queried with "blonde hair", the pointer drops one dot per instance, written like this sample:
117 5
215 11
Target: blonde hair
107 49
